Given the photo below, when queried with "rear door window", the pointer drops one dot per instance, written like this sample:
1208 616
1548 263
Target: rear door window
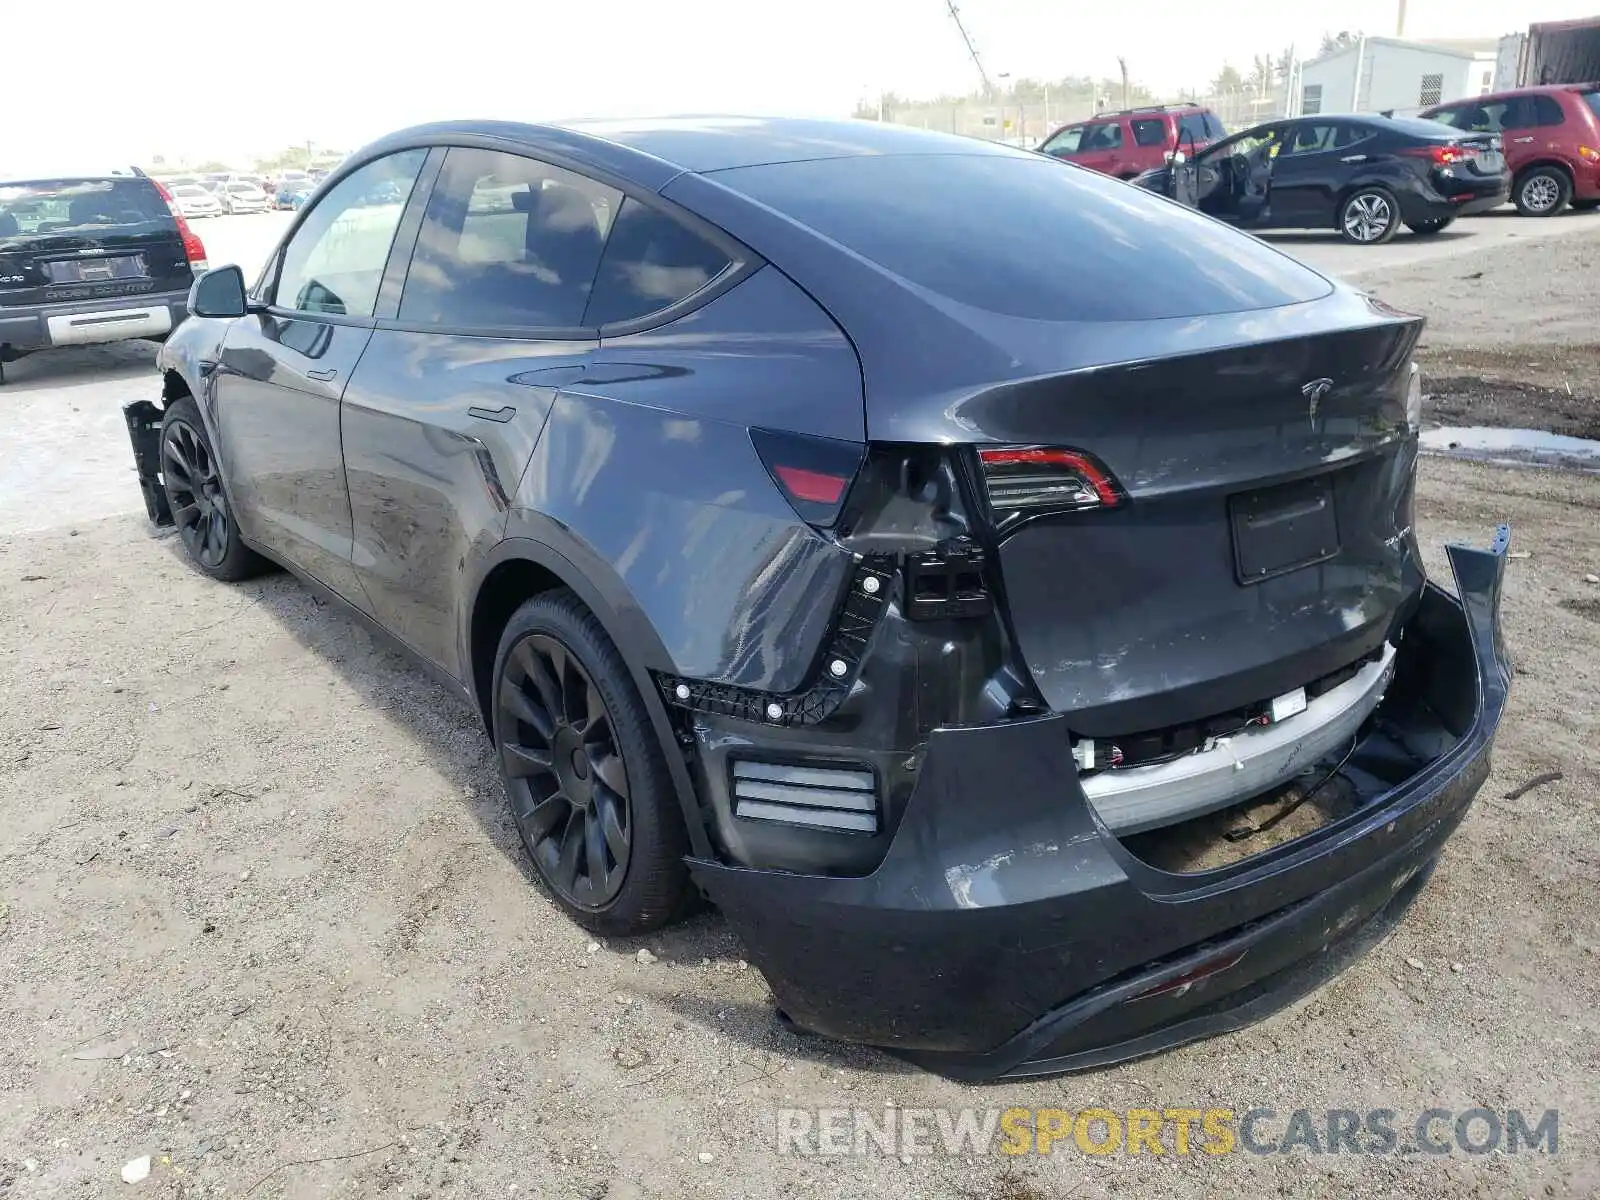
650 262
1150 131
1194 127
83 208
335 261
1074 247
507 242
1545 111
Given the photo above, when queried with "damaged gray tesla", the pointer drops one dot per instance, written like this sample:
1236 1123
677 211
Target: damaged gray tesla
995 587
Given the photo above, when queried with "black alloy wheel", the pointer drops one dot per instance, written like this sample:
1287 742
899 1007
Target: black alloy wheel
568 783
194 490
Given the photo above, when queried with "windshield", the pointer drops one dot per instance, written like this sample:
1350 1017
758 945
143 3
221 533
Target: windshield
1067 247
191 191
64 206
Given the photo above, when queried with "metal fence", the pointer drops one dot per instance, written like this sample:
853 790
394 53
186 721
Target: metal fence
1029 121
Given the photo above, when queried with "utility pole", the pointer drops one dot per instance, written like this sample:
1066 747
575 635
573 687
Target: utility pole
1400 21
1123 63
972 51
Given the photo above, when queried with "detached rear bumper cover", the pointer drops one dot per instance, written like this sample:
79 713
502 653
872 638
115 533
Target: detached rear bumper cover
1008 933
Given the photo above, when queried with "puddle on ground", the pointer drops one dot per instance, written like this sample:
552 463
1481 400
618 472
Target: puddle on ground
1522 446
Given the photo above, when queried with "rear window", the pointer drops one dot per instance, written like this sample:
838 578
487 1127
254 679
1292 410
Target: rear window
1029 237
40 208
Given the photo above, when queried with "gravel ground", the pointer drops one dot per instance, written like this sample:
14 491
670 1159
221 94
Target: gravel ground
1511 338
263 919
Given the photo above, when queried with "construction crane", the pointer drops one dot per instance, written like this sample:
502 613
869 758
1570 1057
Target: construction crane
955 15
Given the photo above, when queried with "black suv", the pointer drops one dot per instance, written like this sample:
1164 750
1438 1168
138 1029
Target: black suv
91 258
914 585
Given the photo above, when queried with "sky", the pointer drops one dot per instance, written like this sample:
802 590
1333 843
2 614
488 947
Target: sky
238 79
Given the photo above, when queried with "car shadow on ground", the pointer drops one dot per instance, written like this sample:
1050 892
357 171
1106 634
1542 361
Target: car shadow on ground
46 369
450 732
1288 238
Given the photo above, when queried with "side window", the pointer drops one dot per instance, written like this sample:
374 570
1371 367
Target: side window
1546 111
1348 135
1516 114
334 263
1311 99
1308 139
1102 137
650 262
1215 127
1065 142
507 241
1150 132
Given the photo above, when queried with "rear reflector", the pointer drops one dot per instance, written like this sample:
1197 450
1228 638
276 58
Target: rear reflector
1028 480
819 797
813 473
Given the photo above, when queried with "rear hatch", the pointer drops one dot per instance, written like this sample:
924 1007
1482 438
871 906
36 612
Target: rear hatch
65 240
1230 517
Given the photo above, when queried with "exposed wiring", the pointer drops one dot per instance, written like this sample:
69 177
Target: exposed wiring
1240 832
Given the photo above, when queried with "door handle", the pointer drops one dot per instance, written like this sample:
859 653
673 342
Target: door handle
322 376
502 415
1354 158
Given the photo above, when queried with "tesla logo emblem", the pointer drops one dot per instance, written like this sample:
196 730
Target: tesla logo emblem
1314 392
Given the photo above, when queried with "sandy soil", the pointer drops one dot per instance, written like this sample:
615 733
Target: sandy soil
1511 339
263 918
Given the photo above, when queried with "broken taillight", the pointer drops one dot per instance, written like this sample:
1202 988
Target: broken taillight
1026 481
194 250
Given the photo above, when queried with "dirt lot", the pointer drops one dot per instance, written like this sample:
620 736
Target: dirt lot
263 917
1511 338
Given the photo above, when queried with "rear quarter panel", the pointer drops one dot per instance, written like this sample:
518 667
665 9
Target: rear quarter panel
646 479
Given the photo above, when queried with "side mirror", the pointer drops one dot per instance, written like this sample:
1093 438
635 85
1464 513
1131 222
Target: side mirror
219 293
1175 158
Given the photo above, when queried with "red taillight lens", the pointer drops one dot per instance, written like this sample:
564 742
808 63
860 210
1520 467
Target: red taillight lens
1027 480
1441 156
193 248
813 473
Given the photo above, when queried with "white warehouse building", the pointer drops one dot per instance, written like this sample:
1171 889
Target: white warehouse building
1380 74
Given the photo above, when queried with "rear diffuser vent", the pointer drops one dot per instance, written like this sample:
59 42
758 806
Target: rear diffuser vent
842 798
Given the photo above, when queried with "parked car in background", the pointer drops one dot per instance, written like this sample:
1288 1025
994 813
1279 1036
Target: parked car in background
91 258
1552 142
239 196
291 196
909 581
1364 176
1136 140
195 201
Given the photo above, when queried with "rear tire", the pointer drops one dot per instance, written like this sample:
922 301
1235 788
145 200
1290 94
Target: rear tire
192 480
1542 192
584 772
1424 228
1369 216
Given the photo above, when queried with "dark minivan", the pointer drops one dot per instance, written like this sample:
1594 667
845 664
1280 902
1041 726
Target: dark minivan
919 587
91 258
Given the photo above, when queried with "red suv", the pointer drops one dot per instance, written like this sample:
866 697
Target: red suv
1551 137
1137 140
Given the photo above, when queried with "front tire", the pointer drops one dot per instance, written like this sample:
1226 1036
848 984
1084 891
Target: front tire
584 771
1425 228
192 479
1543 192
1369 216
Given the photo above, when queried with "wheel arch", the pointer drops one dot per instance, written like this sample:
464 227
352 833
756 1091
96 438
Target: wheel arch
519 568
1548 160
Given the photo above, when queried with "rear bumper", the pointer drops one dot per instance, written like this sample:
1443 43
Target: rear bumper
1459 195
102 319
1007 932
